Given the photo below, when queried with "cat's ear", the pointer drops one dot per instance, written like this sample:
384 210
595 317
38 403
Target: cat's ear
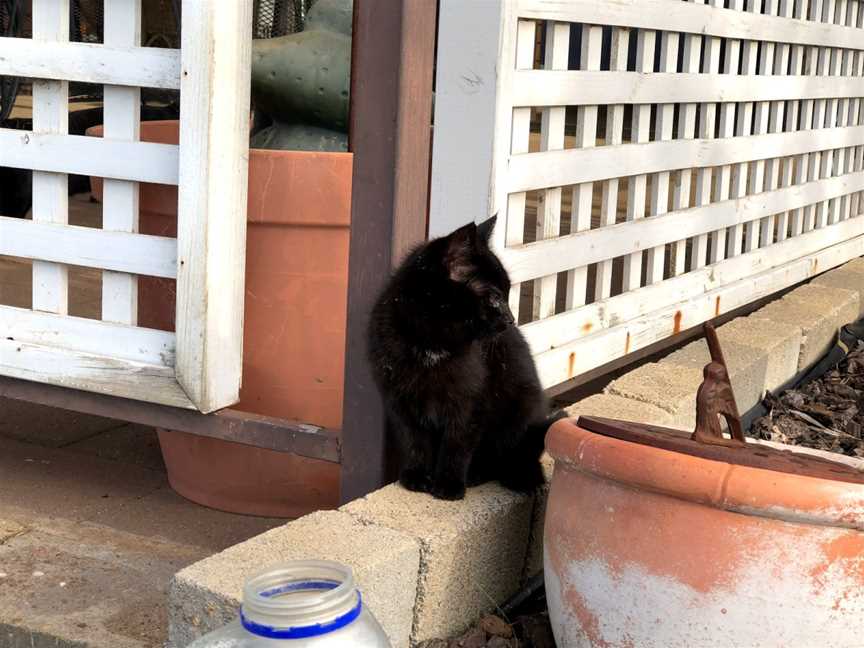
484 229
460 252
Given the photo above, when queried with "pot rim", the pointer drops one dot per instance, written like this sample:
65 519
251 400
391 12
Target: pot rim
155 124
719 484
320 182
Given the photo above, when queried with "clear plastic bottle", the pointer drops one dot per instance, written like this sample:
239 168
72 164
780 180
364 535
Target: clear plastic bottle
303 604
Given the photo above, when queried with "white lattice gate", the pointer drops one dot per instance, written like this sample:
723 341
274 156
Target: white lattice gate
654 163
200 365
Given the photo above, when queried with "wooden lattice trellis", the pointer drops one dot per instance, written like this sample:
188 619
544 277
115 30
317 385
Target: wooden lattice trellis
199 365
692 157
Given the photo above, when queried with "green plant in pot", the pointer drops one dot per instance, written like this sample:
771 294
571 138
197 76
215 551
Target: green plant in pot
301 82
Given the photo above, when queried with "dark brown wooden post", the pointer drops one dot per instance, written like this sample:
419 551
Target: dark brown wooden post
391 114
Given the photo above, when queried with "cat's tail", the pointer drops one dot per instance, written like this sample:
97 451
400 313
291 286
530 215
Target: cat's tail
522 471
536 436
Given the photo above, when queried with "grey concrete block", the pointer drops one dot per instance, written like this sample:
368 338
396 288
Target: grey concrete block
847 277
747 368
667 387
473 551
781 345
619 407
818 311
386 562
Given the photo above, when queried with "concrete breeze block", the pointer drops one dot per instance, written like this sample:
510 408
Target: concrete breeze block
472 551
846 277
667 387
781 345
618 407
386 563
747 369
818 311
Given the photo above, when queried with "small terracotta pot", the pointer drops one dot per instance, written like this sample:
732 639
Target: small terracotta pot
654 548
294 328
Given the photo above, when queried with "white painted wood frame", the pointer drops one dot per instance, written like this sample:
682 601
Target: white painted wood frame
199 366
743 167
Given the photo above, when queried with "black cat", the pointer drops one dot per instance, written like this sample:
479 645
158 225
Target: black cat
460 389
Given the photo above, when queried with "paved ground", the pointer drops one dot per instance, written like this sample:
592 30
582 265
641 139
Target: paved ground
90 532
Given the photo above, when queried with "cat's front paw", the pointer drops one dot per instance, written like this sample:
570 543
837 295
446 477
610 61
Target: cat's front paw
448 490
415 479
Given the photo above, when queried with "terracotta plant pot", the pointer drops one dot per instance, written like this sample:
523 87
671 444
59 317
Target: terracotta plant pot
294 328
650 547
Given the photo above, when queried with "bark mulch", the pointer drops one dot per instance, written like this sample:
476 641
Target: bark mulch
824 414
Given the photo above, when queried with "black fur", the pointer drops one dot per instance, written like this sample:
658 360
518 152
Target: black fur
460 389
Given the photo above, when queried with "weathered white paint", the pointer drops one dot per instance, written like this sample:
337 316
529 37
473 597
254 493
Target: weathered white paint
148 346
785 566
655 258
581 199
691 17
561 168
155 256
122 115
201 366
836 245
555 366
92 372
148 67
211 232
469 76
736 192
614 137
708 117
531 260
50 190
93 156
762 605
638 184
552 138
576 88
686 131
512 230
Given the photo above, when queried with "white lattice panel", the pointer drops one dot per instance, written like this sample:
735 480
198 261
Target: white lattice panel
654 163
199 365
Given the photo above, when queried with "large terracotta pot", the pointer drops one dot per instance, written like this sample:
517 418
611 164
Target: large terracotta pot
650 547
294 328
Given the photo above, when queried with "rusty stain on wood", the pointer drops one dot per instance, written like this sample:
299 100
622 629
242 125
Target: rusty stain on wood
677 326
717 306
586 327
627 344
571 363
